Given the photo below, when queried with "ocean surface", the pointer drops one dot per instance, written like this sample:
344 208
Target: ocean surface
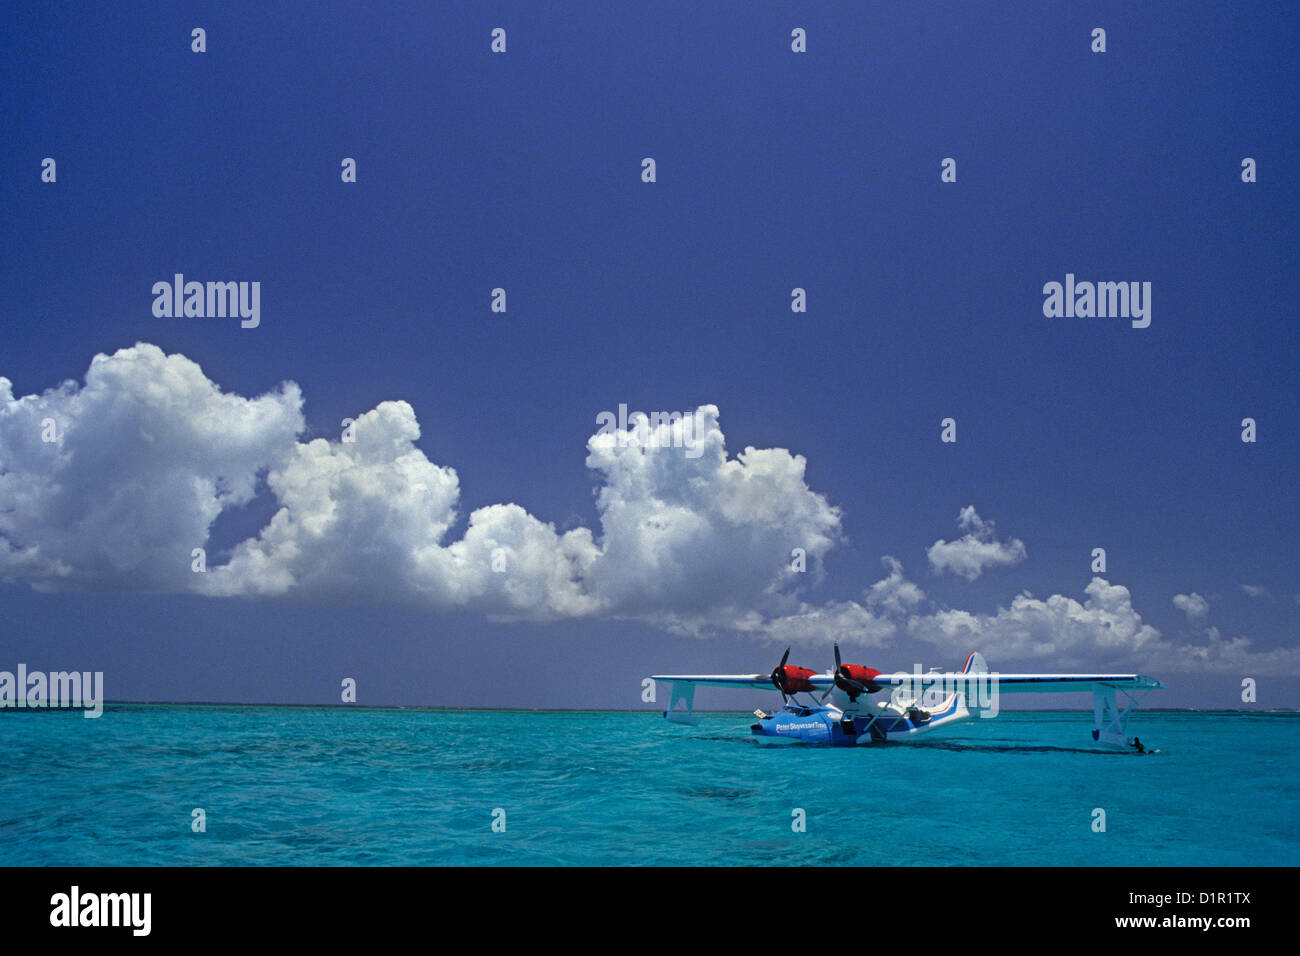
335 786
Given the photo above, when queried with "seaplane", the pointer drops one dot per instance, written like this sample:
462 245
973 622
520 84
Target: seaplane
917 703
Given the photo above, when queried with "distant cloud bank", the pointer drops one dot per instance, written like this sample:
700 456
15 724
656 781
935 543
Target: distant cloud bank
113 484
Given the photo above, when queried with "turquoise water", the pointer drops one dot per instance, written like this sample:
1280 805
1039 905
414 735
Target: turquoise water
332 786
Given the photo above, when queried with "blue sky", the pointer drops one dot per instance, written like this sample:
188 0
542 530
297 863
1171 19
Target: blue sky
775 170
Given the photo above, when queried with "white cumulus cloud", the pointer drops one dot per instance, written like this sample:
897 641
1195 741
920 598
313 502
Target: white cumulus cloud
976 550
1193 605
894 594
1103 627
145 455
149 451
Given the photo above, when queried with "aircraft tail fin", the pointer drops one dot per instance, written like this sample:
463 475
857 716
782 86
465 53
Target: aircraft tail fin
975 664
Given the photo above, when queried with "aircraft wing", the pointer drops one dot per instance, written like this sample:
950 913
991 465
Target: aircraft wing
975 681
758 681
1026 683
1006 683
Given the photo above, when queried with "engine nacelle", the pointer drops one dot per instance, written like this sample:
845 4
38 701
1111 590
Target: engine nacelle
795 679
862 675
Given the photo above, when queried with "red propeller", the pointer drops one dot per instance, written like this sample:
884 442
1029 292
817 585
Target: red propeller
789 679
853 679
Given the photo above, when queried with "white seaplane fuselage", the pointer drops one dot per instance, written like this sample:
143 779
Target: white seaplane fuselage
861 722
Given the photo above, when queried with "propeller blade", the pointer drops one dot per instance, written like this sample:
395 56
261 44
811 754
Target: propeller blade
847 684
778 674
